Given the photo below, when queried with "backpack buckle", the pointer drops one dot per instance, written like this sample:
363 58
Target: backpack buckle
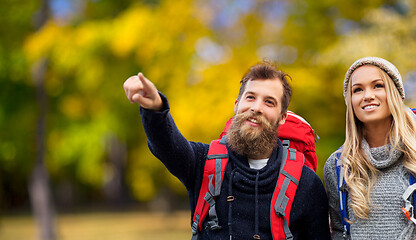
407 213
213 225
409 210
345 235
194 225
285 143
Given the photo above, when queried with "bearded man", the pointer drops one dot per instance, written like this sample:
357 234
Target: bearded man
255 156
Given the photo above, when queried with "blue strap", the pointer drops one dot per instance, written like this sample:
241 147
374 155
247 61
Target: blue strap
412 181
343 195
412 178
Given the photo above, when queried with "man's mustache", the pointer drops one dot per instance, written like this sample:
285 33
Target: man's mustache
244 116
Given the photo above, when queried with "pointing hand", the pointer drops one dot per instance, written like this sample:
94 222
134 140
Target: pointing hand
142 91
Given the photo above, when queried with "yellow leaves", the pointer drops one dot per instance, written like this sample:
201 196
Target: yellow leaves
90 75
92 34
130 30
153 33
147 31
91 171
78 107
39 44
65 47
175 184
142 186
201 110
174 15
305 81
155 46
141 173
72 107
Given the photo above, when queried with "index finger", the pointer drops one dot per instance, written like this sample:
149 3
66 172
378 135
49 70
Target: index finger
143 79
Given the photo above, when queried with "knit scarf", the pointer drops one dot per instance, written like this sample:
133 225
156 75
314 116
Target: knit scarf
381 157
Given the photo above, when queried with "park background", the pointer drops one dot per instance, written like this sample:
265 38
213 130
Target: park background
74 162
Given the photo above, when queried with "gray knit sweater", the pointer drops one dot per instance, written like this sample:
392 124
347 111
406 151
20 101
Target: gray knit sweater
386 221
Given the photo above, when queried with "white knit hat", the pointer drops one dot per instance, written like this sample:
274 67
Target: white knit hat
383 64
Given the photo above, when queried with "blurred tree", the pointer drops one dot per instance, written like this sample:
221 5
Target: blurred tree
18 115
196 52
39 185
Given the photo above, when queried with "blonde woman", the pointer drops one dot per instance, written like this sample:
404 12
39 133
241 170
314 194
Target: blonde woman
376 158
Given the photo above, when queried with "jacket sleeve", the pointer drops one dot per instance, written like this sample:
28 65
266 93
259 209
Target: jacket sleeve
181 157
330 178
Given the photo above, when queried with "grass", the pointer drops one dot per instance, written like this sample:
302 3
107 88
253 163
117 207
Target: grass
104 226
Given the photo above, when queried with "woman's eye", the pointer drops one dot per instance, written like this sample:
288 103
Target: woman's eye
379 85
355 90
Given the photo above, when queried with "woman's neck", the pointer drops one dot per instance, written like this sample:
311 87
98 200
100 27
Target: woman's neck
376 134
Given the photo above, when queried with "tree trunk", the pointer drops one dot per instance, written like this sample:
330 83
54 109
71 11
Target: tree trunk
39 186
114 186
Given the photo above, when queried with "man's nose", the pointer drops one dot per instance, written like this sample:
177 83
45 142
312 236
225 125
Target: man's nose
256 107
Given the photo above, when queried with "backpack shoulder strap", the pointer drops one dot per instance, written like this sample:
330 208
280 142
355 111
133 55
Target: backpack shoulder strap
412 180
217 159
284 193
342 194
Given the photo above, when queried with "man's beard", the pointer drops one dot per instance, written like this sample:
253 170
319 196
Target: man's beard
252 141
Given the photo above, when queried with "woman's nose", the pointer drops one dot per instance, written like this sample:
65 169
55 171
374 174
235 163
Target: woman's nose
368 95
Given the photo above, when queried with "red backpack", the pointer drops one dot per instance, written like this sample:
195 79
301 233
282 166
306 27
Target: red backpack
302 140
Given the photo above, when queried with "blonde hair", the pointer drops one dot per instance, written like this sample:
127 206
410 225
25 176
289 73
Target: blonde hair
359 173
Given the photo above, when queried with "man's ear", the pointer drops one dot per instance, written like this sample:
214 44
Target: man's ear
236 106
283 119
